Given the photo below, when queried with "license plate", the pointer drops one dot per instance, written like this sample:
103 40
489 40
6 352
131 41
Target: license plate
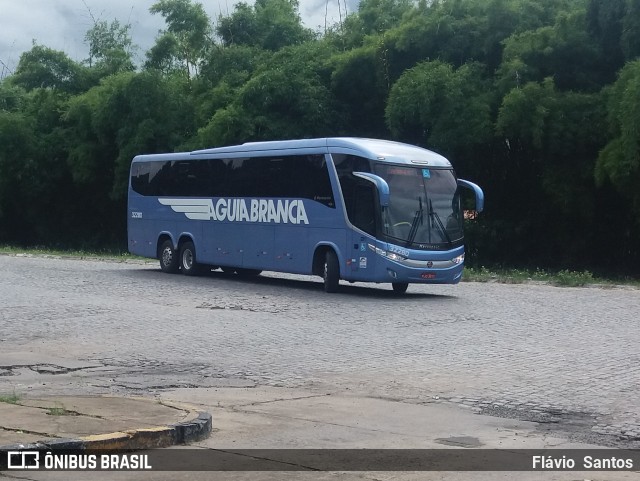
428 275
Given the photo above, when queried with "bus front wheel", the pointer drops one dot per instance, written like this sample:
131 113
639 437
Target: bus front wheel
331 272
168 258
399 287
188 262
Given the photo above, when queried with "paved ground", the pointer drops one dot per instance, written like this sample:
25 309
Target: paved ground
98 422
566 357
281 420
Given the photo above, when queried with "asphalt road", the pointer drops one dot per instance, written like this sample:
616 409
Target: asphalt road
566 357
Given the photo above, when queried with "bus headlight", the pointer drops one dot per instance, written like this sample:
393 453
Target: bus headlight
389 255
394 257
458 260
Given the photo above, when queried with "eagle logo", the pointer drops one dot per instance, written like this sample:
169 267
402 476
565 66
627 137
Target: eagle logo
195 209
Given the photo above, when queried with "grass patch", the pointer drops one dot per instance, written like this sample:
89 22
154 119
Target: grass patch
564 278
505 276
59 411
10 398
73 253
567 278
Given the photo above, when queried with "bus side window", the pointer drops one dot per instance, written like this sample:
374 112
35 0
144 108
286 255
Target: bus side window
311 179
159 184
140 176
359 197
217 177
364 208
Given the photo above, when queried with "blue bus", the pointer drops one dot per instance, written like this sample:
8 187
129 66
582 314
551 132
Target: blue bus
360 210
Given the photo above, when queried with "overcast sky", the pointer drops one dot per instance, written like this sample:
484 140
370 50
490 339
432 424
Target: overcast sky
62 24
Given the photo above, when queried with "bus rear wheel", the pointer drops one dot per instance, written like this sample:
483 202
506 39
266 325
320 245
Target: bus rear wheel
399 287
169 262
188 262
331 272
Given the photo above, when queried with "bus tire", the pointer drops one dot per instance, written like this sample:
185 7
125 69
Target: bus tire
168 257
331 272
188 263
399 287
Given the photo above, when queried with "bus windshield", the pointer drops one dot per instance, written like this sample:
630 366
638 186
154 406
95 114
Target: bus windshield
424 209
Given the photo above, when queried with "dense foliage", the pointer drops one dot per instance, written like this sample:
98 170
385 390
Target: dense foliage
538 101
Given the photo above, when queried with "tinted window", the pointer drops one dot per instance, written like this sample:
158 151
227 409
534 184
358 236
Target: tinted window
287 176
359 195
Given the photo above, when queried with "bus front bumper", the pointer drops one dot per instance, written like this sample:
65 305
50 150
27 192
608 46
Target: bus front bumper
399 273
444 268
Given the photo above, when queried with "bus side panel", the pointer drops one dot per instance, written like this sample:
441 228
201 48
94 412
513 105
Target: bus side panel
148 220
223 243
258 247
361 262
140 244
234 244
291 252
141 233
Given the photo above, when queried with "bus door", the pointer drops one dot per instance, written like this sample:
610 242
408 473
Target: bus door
361 209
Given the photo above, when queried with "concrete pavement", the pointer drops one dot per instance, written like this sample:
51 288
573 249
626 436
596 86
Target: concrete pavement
98 422
269 418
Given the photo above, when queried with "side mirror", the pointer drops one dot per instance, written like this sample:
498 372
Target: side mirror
477 190
380 183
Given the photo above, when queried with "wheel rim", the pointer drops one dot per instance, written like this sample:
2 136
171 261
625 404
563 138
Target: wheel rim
326 271
167 256
187 259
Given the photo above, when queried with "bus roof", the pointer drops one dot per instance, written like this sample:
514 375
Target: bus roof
382 150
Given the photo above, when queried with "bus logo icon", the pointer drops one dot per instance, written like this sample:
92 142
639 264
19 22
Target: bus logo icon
23 459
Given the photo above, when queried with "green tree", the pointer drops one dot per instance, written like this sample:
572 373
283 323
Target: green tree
12 97
359 80
233 64
42 67
268 24
631 30
277 103
164 56
563 51
128 114
35 186
188 35
523 114
604 24
434 105
542 185
17 141
450 31
619 161
110 47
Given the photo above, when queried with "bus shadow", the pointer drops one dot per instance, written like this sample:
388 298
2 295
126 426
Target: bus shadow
271 280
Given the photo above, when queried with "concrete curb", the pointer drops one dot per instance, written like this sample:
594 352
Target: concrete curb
134 439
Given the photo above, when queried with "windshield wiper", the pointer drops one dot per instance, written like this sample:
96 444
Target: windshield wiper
434 215
417 218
